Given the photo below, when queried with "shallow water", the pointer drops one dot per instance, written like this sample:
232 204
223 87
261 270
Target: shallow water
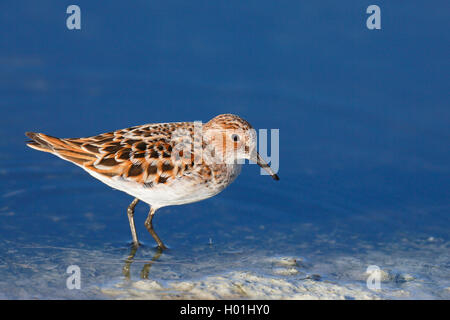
364 158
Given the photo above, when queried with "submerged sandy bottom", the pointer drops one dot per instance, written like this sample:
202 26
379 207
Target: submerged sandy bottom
237 285
416 273
251 267
404 274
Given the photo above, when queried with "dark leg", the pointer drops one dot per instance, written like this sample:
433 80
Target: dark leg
149 226
130 213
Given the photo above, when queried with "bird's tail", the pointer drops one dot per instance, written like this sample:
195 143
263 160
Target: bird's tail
64 148
39 141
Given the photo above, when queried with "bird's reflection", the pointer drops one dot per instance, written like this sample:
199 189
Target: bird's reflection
146 269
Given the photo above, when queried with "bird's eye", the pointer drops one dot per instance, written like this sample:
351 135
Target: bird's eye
235 137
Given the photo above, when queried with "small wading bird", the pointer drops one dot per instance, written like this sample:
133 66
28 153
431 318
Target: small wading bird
162 164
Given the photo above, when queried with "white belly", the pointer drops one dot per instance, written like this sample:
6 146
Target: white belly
180 191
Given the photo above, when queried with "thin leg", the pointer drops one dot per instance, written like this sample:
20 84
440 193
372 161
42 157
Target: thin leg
130 213
149 226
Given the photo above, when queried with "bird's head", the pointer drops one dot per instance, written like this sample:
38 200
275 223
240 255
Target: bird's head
232 138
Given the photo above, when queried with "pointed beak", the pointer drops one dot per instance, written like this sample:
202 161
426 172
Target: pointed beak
260 161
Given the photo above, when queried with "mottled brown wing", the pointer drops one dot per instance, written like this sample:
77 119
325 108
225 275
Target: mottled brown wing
144 154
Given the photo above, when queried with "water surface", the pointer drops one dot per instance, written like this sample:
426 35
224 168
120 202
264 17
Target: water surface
364 158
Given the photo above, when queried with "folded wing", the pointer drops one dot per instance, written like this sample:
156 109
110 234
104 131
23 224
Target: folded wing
143 154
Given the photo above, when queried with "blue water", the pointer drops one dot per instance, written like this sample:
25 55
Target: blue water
364 138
